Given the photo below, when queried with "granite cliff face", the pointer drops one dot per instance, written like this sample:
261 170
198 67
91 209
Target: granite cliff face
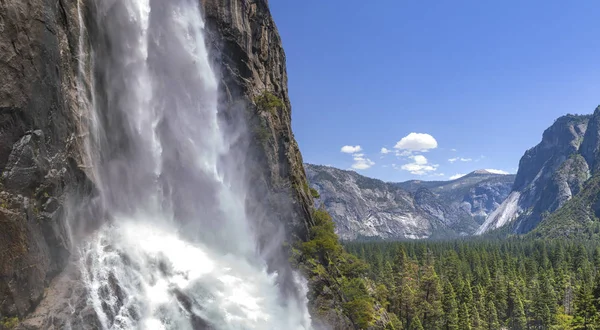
549 174
47 183
368 208
248 51
577 212
43 179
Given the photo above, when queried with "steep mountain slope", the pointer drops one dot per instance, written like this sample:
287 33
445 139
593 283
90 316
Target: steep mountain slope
365 207
578 217
550 175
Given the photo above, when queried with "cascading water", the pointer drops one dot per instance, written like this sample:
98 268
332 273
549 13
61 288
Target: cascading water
177 251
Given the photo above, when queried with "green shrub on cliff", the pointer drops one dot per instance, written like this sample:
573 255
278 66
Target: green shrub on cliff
9 322
267 102
314 193
334 271
322 239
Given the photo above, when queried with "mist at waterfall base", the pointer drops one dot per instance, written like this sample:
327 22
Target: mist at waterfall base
179 250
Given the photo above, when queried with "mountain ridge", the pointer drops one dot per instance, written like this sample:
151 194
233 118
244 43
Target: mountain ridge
416 209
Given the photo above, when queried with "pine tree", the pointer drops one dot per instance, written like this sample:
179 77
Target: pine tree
402 290
579 258
464 320
548 293
450 266
596 291
430 307
492 319
479 320
466 295
516 312
544 302
476 320
400 259
394 324
597 258
415 324
585 311
519 317
568 298
388 277
450 321
408 293
501 295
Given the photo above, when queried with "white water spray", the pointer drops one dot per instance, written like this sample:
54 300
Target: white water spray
178 251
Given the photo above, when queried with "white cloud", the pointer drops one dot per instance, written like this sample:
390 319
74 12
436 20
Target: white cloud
493 171
419 159
418 169
457 176
452 160
417 142
419 166
362 163
453 150
350 149
385 151
403 153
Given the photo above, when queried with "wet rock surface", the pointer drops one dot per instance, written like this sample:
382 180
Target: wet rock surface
39 141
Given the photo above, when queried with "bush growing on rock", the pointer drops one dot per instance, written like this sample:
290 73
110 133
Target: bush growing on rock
267 102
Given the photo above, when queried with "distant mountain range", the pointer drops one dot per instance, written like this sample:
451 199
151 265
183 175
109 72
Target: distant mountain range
555 193
363 207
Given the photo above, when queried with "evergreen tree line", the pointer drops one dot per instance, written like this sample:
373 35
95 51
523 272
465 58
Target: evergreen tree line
483 284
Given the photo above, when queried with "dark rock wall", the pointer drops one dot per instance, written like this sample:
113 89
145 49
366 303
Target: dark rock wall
40 141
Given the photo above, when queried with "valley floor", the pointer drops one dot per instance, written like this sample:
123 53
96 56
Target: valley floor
485 284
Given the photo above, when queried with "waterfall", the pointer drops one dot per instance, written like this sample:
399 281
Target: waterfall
176 250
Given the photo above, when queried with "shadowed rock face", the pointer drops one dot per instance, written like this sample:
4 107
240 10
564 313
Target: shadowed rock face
363 207
590 146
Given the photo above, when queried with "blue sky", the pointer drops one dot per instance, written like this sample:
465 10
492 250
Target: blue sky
478 81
